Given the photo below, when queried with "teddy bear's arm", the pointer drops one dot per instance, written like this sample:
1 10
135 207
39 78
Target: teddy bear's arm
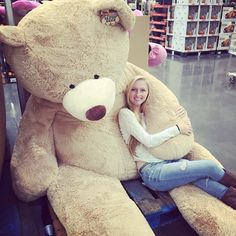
33 164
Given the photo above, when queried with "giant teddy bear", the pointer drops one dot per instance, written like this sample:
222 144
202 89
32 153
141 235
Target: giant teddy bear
72 57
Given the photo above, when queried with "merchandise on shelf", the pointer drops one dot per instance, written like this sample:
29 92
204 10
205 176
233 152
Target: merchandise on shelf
181 43
193 27
224 41
169 41
228 27
184 12
185 2
212 42
201 43
171 12
216 12
228 13
216 2
170 27
190 44
203 27
214 27
189 28
204 12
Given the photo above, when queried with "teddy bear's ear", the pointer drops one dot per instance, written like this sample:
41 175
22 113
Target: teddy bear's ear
127 18
12 36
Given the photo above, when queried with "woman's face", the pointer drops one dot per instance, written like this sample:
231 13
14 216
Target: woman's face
138 93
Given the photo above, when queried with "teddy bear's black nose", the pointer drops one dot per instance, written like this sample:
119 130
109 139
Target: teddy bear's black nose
96 76
96 113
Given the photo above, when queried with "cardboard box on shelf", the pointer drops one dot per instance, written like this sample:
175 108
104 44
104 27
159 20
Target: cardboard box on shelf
185 2
188 28
227 27
183 44
224 42
201 43
214 27
228 13
215 12
211 42
203 27
204 12
169 41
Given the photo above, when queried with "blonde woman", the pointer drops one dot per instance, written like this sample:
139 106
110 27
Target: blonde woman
164 175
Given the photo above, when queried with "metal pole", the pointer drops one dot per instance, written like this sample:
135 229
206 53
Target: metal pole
9 12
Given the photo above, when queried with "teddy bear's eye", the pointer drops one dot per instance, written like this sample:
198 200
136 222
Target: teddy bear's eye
96 76
72 86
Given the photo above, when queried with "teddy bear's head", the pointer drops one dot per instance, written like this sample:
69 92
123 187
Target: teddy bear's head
71 52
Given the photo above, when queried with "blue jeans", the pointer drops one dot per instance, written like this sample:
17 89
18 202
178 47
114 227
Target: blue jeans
166 175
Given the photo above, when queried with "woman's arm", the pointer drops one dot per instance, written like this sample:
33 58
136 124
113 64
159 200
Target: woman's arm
129 122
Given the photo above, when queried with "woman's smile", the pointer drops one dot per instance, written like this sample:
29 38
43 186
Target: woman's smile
138 93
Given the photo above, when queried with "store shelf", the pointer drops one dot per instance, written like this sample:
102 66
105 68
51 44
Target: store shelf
159 30
158 22
158 14
227 27
193 28
157 38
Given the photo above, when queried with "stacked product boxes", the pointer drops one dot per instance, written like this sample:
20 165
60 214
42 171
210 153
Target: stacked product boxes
193 25
227 28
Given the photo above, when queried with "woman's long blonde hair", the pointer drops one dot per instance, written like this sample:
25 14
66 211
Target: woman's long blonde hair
133 142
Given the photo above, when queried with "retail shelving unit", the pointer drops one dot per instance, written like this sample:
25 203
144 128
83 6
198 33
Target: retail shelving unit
193 25
227 28
158 23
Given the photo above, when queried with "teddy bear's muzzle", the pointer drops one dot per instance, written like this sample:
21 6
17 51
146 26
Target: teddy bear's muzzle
90 100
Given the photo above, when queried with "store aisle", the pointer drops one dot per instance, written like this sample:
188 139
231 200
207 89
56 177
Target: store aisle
203 89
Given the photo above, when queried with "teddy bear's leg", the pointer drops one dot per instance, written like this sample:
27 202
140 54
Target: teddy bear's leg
206 214
90 204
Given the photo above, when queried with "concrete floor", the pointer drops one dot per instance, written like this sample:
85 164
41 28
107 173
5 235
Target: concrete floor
202 88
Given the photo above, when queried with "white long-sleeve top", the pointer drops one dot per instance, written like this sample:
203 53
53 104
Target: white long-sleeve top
129 126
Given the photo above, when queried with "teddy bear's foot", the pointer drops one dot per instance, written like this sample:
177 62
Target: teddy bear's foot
205 213
95 205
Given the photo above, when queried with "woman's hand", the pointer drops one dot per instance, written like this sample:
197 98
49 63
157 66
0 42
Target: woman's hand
184 127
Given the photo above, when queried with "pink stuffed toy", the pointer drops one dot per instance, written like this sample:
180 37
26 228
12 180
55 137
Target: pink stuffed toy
157 54
21 7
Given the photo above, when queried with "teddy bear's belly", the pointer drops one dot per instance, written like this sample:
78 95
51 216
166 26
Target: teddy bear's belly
105 153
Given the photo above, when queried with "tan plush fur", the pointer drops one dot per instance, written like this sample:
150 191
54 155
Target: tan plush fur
79 164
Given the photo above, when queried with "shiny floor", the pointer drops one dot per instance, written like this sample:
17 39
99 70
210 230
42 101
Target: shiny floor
202 87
